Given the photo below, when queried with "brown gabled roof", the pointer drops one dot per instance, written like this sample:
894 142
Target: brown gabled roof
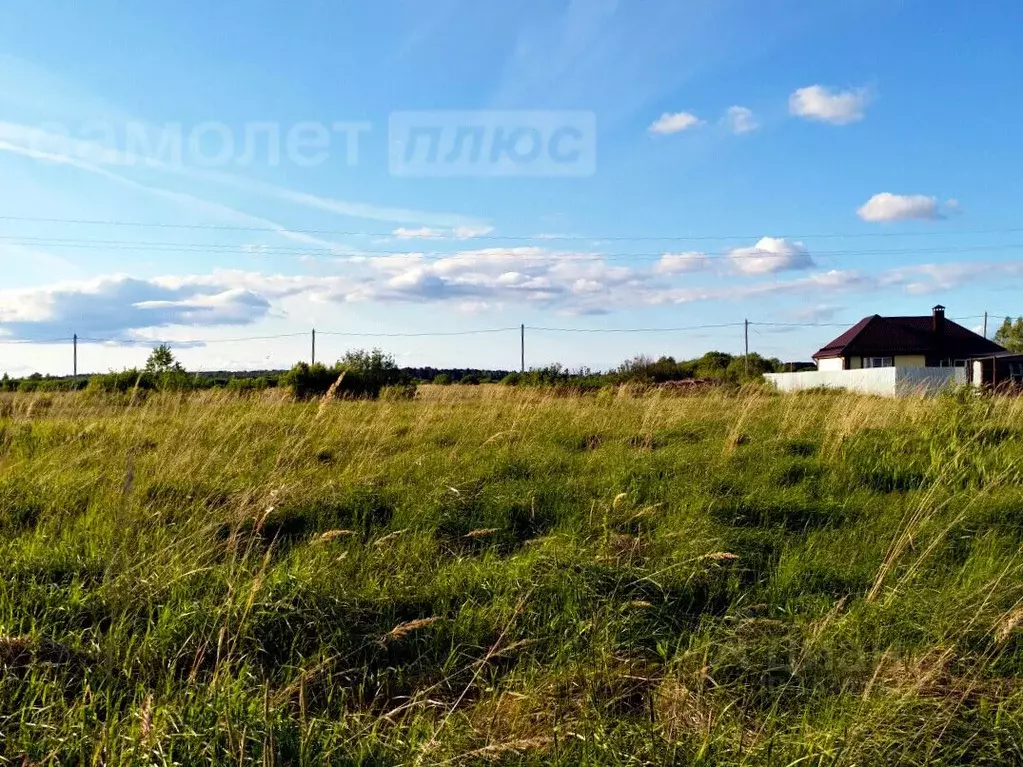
889 336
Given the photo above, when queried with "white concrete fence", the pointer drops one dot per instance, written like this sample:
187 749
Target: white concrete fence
887 382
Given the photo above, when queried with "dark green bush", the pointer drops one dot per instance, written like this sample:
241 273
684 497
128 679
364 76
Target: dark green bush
359 374
122 381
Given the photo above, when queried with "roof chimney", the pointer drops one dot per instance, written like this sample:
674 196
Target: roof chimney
938 324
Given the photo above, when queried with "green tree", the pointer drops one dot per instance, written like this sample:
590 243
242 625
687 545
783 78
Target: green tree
1010 334
161 360
713 365
742 369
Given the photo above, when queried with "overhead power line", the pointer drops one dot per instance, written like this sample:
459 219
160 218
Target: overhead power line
472 253
636 330
496 237
436 334
420 335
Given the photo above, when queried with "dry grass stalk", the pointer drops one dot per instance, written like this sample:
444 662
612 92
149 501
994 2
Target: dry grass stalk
680 710
483 532
389 537
146 719
404 629
719 556
330 535
1008 624
922 676
517 746
330 394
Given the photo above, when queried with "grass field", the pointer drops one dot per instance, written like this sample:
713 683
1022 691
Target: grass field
491 575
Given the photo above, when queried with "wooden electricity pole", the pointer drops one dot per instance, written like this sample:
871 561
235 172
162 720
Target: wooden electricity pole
522 347
746 355
314 347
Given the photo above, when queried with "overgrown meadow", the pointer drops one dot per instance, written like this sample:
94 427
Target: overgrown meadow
490 575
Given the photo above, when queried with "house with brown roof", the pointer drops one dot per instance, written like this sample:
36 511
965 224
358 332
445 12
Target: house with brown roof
898 356
905 342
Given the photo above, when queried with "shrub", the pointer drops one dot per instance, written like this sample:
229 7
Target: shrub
365 373
122 381
305 380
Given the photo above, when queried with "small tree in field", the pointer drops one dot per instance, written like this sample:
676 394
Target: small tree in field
165 371
161 360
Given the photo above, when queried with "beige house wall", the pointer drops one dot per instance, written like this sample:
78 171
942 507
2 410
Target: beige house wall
831 364
911 361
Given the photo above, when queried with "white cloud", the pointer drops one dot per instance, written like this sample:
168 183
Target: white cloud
817 102
674 123
682 263
125 308
113 307
471 232
833 281
904 207
741 120
769 255
422 233
433 233
920 279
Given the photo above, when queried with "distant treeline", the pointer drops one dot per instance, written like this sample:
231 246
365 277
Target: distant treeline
368 373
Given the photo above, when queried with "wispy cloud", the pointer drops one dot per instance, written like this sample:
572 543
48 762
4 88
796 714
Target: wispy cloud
57 148
188 201
741 120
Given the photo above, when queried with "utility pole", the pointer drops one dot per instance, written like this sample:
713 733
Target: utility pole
74 342
522 346
314 347
746 355
985 324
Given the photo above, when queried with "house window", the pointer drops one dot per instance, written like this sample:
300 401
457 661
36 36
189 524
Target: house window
1016 371
877 362
952 364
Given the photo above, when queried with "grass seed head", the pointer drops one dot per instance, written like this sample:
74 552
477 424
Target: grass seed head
404 629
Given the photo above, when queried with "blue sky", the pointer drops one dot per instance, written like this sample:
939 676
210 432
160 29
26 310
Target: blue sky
804 164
